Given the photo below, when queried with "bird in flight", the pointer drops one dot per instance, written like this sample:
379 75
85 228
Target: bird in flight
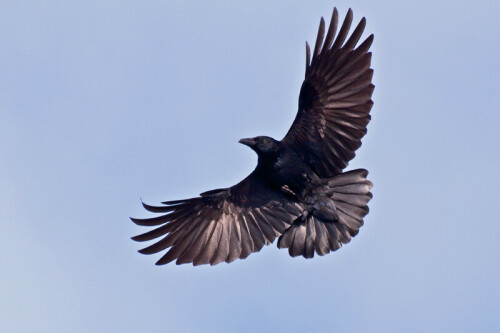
298 191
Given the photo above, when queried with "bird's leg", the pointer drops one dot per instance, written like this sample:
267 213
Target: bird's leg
287 190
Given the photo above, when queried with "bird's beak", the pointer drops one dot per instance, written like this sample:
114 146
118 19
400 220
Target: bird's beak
248 142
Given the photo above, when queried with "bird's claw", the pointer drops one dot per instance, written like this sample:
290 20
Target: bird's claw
287 190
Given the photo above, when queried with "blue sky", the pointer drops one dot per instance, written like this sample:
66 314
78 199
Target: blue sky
104 103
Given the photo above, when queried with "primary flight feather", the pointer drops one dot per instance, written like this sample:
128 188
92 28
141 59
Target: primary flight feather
298 191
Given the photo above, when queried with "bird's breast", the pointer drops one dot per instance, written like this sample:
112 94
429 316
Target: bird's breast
291 171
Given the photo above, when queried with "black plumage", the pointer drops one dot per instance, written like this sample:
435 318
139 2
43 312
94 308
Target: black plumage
297 192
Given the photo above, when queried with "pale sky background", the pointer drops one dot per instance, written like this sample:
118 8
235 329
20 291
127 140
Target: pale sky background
106 102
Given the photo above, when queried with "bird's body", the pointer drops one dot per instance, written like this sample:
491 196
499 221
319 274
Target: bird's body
281 167
286 172
298 191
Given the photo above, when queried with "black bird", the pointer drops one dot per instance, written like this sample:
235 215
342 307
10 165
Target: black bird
298 191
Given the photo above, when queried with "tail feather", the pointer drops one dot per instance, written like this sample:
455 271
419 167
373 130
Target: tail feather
299 240
310 238
321 245
350 192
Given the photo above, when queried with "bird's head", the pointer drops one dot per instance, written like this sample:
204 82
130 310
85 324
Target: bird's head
262 145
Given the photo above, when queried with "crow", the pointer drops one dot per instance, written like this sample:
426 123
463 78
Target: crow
298 191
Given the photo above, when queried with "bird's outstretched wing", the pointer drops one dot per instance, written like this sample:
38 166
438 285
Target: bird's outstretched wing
220 225
335 98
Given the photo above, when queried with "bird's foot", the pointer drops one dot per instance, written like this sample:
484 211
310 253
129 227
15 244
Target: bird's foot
287 190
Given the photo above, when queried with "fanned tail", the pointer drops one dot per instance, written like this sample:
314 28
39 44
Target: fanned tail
350 194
